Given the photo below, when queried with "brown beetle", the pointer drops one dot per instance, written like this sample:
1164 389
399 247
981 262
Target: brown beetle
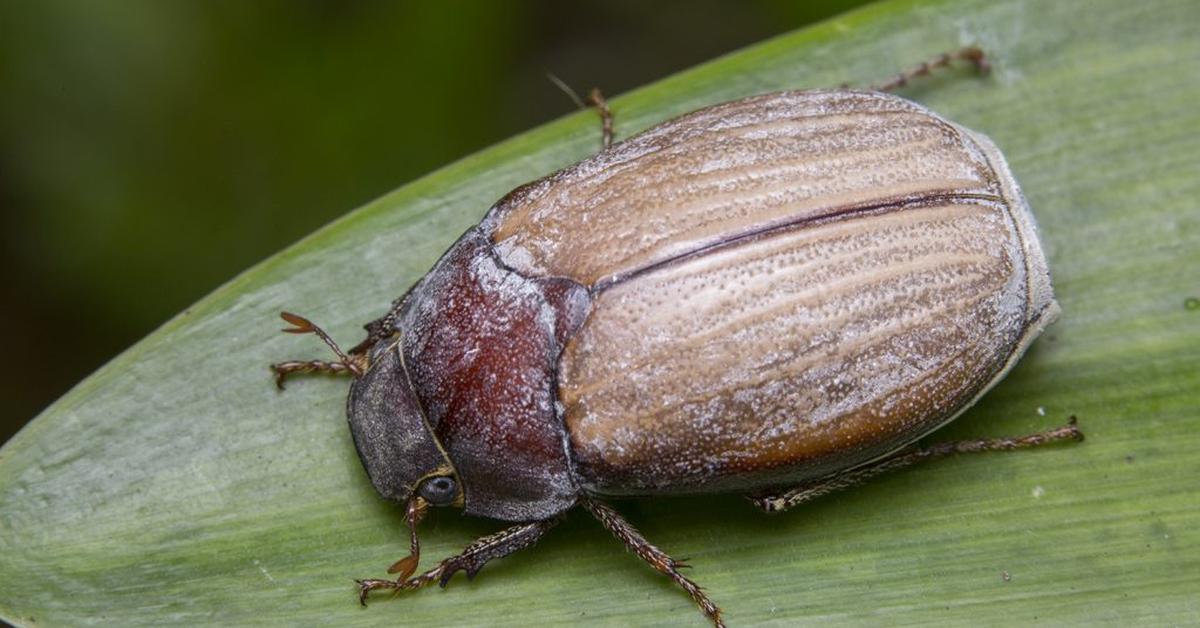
776 296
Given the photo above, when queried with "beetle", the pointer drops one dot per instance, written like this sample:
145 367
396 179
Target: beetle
776 296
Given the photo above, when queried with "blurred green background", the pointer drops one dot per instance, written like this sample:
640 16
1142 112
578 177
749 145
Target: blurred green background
150 150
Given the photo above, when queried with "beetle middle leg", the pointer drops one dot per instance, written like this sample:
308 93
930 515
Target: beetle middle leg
973 54
778 502
655 557
471 560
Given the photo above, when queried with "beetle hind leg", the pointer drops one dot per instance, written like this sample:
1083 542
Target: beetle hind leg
778 502
596 100
972 54
653 556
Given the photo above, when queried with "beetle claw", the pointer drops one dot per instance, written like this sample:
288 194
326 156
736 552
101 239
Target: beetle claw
280 375
364 589
366 585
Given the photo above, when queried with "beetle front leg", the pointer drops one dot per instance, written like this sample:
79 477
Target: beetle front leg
655 557
972 54
283 369
471 560
778 502
354 363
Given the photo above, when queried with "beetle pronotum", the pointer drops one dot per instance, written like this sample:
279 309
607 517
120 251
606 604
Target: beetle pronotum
776 295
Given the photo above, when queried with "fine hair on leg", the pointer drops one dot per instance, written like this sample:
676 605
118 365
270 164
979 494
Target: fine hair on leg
972 54
790 498
653 556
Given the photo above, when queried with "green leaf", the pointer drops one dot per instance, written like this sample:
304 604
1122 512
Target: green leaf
177 486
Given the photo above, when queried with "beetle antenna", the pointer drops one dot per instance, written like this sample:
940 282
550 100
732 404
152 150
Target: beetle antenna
417 506
305 326
301 325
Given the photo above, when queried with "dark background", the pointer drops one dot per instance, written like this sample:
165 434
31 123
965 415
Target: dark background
152 149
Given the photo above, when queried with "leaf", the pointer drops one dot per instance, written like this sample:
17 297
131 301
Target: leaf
178 486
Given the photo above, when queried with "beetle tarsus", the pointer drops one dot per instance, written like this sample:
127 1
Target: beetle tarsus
971 54
656 558
781 501
367 585
596 99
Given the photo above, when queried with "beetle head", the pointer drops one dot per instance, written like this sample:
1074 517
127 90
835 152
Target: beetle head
394 439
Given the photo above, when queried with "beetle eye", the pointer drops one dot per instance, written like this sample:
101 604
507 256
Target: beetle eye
440 490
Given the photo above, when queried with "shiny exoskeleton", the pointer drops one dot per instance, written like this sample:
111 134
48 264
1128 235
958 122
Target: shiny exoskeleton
776 296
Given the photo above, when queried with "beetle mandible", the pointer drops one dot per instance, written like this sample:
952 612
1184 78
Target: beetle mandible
776 296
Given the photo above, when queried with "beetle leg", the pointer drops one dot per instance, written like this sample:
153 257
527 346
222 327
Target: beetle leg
596 99
471 560
778 502
283 369
657 559
972 54
344 364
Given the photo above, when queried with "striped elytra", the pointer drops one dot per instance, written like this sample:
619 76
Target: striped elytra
781 287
